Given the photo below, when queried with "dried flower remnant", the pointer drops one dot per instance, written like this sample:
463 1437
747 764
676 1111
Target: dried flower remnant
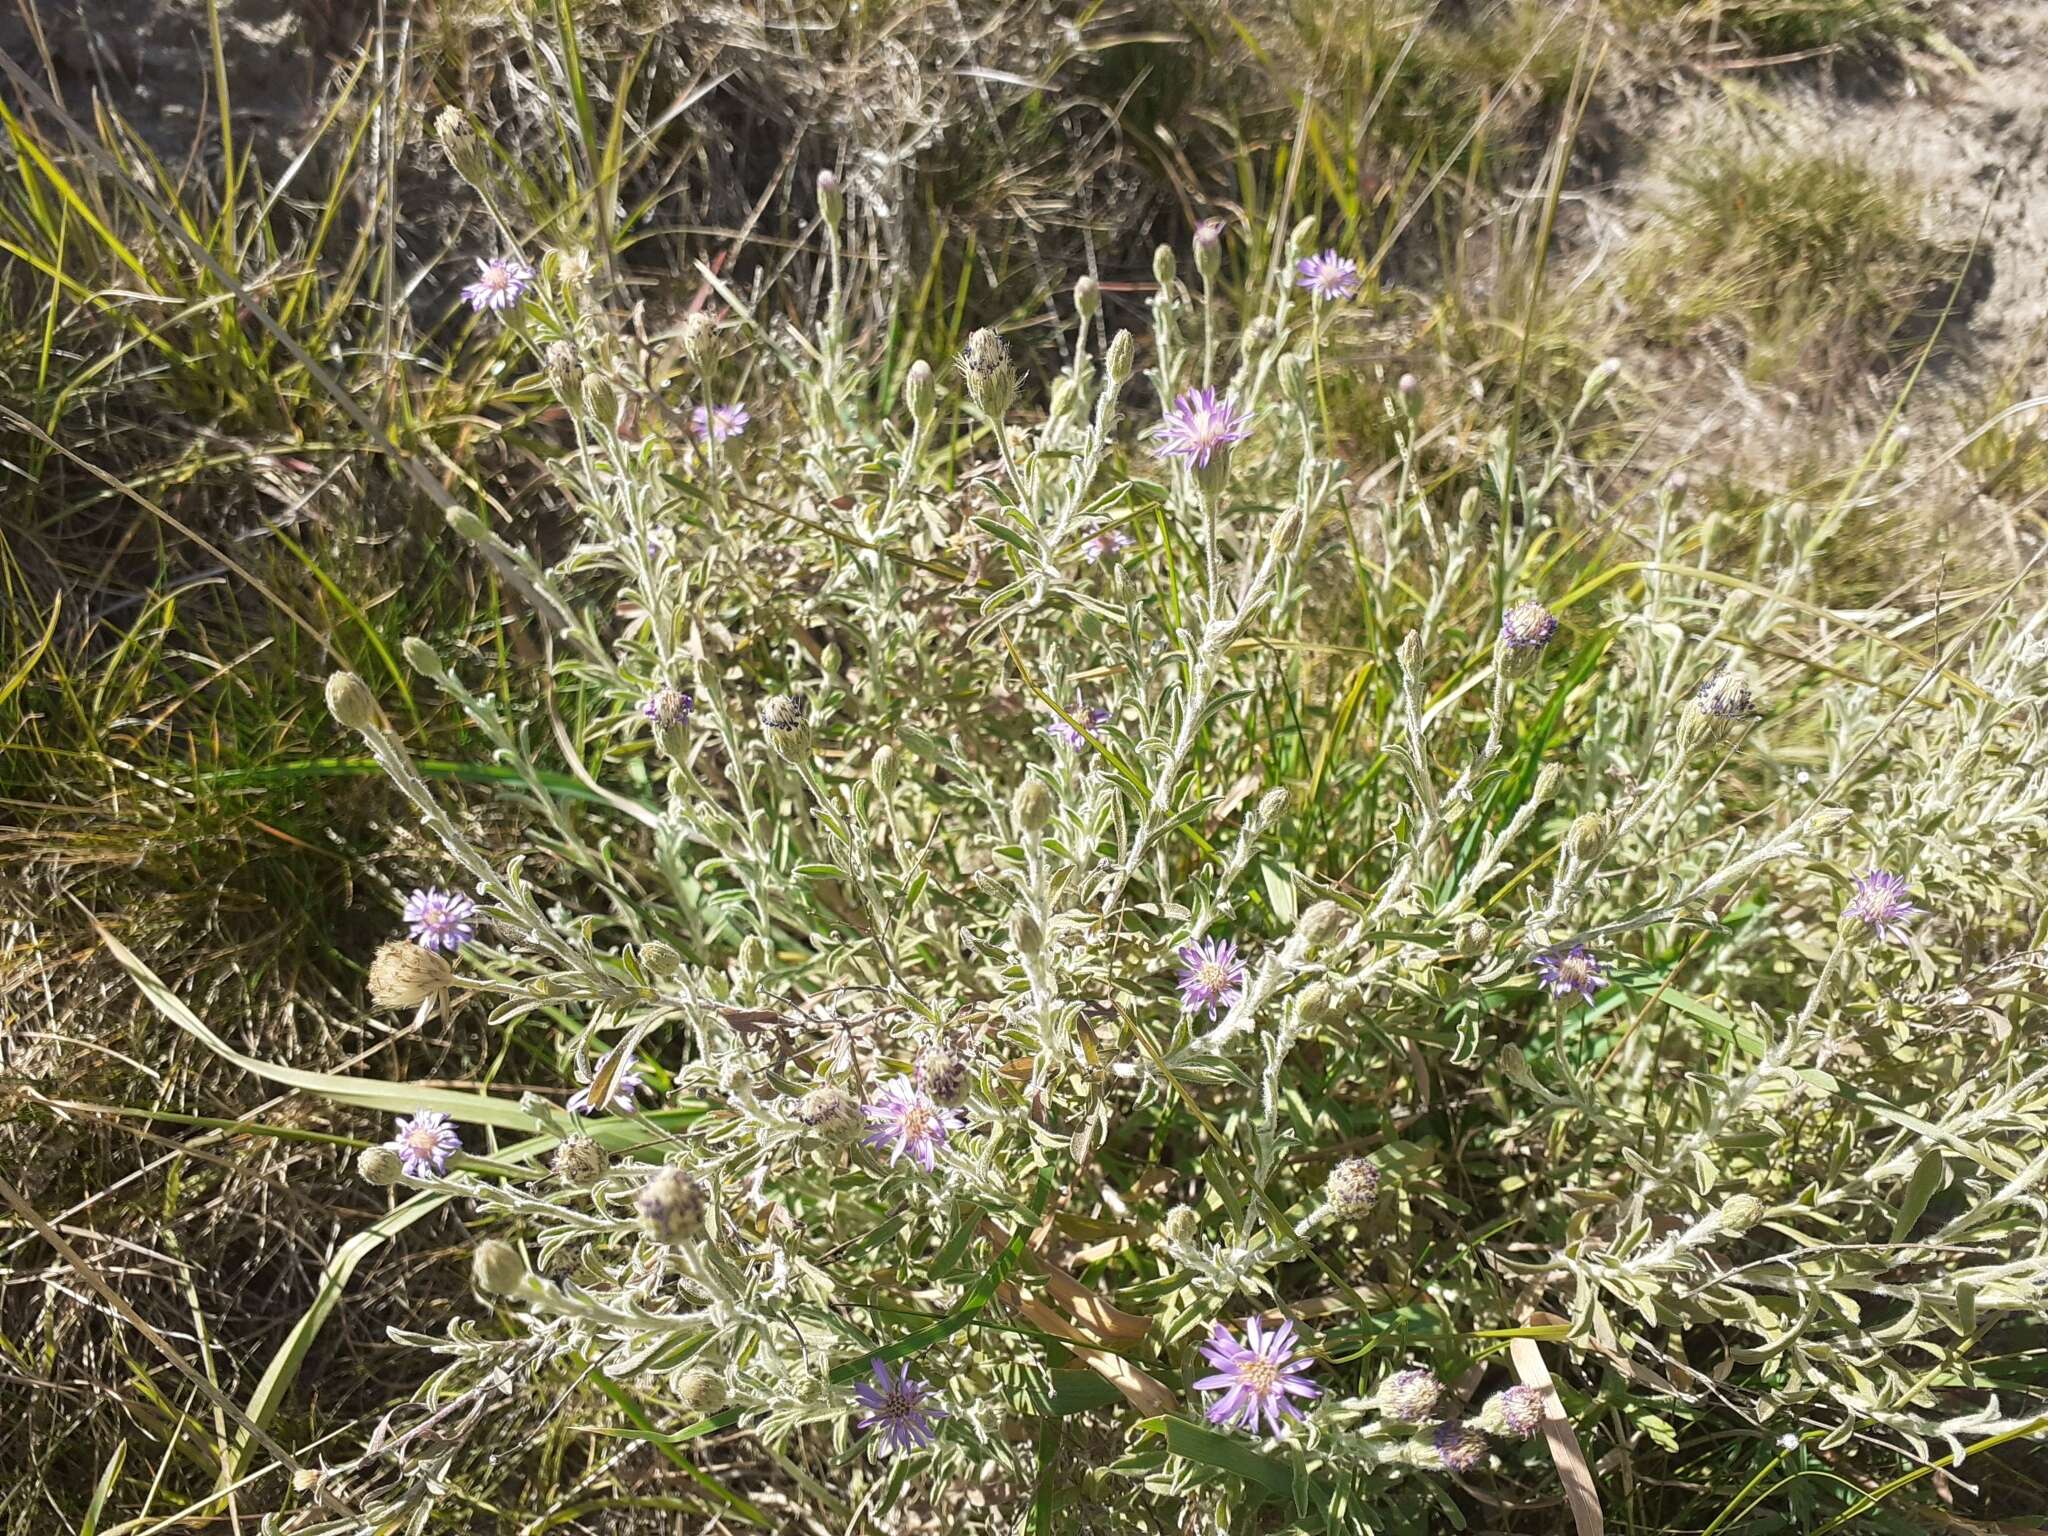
831 1112
943 1076
1527 626
1577 970
580 1162
1259 1379
623 1099
501 282
404 974
1459 1447
439 919
1212 975
1353 1188
667 708
899 1407
424 1143
1201 428
1329 277
1879 904
904 1120
1410 1397
718 422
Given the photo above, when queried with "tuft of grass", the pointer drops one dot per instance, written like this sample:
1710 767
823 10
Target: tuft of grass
1787 30
1811 267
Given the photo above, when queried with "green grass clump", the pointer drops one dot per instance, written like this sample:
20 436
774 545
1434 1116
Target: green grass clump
1810 266
1788 29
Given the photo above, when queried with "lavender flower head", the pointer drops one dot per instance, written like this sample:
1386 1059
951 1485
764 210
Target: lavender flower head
900 1406
1527 626
1880 904
905 1120
624 1099
1059 730
1513 1413
666 708
1329 277
1576 970
500 283
1106 543
1212 975
1259 1379
718 422
425 1143
1201 427
444 920
1459 1446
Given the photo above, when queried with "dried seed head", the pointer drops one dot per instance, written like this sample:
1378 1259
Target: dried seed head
1513 1413
701 1390
404 974
1410 1396
580 1162
1354 1187
672 1207
1033 805
498 1267
379 1165
943 1076
991 380
831 1112
349 701
1739 1213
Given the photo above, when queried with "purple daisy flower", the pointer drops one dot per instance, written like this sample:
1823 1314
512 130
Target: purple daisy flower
718 422
1200 427
900 1406
1329 277
1880 904
1576 970
666 708
1527 626
1258 1379
1212 975
1094 718
625 1096
1105 544
439 919
904 1119
425 1143
500 283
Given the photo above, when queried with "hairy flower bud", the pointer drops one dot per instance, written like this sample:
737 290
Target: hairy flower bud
349 701
580 1162
1317 1003
991 380
1586 836
1410 1397
1293 375
1324 925
1725 701
379 1165
700 339
831 199
659 959
1353 1188
422 657
1087 297
1474 938
882 770
787 720
1025 932
1514 1066
919 390
1122 351
404 974
943 1077
1409 388
1181 1225
563 365
1164 268
1459 1447
1513 1413
671 1207
1208 244
498 1266
1739 1213
1033 805
830 1111
1271 804
701 1390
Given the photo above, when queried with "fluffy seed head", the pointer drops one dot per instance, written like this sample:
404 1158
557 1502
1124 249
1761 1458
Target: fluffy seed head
580 1162
498 1266
701 1390
404 975
671 1207
1410 1396
1354 1187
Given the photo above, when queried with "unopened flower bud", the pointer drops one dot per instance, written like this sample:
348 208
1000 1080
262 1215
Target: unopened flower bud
1293 375
1353 1188
1739 1213
991 380
1586 836
1410 1397
1324 925
882 769
700 339
943 1077
831 1112
1025 932
1271 804
1525 629
1598 380
580 1162
379 1165
701 1390
1459 1447
754 954
1033 805
1260 334
1410 390
1209 248
1513 1413
404 974
1474 938
564 367
787 720
498 1267
1164 267
1117 365
469 525
831 200
1181 1225
466 154
422 657
919 390
1514 1066
1087 297
671 1207
1317 1003
349 701
659 959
